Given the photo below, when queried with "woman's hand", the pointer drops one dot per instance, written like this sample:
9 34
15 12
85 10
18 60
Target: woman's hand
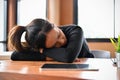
49 59
41 50
77 60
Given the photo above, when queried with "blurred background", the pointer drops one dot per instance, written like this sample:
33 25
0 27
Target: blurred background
99 19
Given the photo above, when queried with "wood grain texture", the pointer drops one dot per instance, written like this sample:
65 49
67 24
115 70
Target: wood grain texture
31 70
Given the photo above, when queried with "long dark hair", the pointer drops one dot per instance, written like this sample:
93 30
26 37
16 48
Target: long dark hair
35 35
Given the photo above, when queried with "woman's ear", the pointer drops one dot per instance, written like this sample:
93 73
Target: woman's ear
41 50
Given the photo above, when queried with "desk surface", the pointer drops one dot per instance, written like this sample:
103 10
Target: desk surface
31 70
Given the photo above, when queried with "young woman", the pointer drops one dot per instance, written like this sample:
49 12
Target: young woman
45 40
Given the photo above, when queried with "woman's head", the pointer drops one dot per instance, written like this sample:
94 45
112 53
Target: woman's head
36 33
43 34
39 34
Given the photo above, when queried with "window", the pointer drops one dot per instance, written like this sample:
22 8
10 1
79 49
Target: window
117 17
99 18
29 10
3 21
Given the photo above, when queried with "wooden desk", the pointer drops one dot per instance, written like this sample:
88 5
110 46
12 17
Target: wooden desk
30 70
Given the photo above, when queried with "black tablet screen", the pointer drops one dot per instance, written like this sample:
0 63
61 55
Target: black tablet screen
65 66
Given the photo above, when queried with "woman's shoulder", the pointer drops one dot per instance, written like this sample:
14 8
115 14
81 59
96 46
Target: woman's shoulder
69 25
70 28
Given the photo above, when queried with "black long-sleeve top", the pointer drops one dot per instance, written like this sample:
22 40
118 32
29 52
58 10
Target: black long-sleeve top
76 47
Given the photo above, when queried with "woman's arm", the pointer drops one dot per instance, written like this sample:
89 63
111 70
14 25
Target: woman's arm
27 56
71 52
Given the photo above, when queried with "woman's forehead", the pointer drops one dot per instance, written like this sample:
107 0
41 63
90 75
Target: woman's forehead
51 37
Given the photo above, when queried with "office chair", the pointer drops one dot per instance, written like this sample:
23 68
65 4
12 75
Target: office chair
101 53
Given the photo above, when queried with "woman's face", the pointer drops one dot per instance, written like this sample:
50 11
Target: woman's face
55 38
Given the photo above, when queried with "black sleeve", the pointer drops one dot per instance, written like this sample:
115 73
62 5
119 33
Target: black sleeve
27 56
71 52
85 52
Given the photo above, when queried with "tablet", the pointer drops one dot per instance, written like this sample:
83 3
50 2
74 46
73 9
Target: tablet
67 67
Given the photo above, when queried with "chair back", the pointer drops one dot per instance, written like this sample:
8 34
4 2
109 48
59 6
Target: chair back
101 53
